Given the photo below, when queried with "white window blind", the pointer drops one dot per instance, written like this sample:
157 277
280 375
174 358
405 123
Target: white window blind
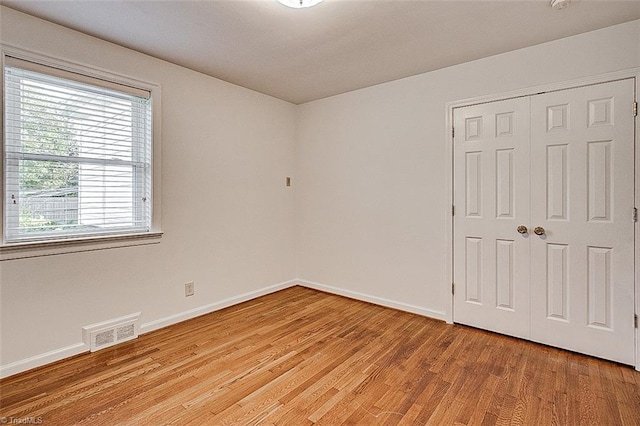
77 155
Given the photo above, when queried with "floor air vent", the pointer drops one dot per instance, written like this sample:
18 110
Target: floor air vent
109 333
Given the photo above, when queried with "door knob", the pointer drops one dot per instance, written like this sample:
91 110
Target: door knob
539 230
522 229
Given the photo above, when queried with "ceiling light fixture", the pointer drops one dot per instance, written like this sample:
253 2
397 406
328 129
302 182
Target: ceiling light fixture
559 4
299 4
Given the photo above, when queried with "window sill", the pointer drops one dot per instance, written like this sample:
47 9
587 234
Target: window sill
76 245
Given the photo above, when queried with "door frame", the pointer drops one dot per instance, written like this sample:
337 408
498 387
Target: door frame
530 91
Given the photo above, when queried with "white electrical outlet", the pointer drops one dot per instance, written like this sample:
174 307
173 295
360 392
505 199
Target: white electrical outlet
189 289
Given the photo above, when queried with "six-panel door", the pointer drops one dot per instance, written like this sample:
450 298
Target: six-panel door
582 192
561 164
491 262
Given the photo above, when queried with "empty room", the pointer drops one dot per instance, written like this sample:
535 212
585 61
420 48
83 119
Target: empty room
338 212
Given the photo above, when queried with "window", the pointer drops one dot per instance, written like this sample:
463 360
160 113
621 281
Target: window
77 155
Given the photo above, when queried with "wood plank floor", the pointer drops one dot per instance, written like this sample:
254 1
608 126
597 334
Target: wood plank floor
301 357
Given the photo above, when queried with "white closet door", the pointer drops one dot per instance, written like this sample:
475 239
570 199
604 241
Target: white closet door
491 259
582 195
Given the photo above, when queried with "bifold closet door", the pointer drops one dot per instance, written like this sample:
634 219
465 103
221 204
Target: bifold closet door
582 195
491 259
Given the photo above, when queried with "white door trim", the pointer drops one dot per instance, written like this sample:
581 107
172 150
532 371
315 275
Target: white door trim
596 79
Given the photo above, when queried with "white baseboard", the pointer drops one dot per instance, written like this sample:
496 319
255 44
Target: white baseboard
375 300
78 348
206 309
42 359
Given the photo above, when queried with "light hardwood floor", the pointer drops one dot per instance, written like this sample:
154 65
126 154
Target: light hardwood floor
300 357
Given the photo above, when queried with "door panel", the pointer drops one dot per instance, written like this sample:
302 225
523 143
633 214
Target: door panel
491 258
582 192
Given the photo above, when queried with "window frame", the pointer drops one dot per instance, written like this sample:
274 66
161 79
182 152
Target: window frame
47 247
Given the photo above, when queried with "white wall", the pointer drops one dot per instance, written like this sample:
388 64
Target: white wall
372 203
226 213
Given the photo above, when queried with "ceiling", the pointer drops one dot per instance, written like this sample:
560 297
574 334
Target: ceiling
301 55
